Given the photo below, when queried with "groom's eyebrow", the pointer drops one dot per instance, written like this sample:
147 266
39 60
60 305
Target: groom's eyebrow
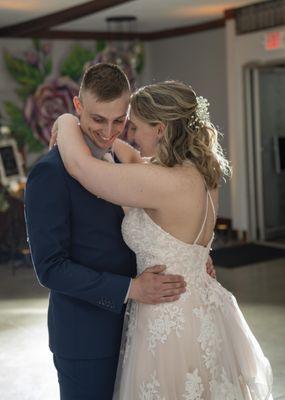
100 116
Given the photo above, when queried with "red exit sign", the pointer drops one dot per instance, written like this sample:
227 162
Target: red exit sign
274 40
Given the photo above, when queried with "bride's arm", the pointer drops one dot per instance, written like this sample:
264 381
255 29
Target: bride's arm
123 150
133 185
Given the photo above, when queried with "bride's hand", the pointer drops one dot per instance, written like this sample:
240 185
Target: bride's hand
53 136
54 132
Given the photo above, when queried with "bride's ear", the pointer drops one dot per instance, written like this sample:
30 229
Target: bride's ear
160 130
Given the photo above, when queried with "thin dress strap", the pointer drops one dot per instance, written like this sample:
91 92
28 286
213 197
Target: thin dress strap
206 214
213 207
205 219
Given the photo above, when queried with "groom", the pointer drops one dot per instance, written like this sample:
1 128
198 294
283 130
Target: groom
79 254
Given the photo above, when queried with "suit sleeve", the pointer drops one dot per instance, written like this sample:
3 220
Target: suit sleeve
47 213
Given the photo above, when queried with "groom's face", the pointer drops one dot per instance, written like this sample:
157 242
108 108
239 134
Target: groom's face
102 121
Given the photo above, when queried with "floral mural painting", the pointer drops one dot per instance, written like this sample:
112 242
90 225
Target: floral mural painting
43 98
49 101
45 94
29 69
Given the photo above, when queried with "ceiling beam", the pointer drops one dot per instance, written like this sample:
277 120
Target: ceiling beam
26 29
144 36
230 13
185 30
87 35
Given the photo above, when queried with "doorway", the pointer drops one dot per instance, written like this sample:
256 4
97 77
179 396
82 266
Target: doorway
265 134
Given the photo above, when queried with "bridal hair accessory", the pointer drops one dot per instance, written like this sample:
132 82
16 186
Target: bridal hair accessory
201 115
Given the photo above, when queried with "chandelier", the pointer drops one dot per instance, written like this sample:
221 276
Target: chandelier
128 54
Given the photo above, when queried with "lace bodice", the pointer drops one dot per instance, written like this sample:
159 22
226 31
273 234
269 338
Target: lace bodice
154 246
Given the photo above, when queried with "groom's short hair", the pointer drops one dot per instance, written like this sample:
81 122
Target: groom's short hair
105 81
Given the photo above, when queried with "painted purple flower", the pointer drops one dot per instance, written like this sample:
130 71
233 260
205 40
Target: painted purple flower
50 100
32 57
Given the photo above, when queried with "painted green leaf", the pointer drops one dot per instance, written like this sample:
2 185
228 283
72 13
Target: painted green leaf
48 66
140 61
20 129
24 73
74 63
37 44
23 92
100 45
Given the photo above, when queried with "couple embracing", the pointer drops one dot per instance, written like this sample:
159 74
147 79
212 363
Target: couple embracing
122 239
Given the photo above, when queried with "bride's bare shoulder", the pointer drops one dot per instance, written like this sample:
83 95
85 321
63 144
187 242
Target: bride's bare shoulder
191 182
189 173
194 183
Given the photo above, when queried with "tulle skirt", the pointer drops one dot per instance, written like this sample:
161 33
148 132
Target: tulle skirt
198 348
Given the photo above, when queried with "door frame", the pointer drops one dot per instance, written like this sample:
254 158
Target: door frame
256 226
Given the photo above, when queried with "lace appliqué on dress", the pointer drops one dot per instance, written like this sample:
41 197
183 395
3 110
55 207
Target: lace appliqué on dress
224 390
210 341
150 390
209 338
171 318
193 387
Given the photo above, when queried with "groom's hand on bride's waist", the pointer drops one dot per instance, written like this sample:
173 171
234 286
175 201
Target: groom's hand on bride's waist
211 268
153 286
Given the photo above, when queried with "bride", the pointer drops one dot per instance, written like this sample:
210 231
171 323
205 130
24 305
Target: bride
199 347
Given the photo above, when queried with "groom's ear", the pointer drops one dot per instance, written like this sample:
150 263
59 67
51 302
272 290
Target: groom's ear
77 105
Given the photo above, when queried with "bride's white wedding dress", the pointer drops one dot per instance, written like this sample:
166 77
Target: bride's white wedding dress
197 348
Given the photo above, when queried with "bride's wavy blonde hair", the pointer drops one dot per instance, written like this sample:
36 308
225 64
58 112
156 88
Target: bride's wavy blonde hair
175 104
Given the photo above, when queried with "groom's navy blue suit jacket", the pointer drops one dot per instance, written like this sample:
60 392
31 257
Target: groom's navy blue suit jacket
79 254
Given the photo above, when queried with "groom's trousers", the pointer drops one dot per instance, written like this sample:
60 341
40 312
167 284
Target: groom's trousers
86 379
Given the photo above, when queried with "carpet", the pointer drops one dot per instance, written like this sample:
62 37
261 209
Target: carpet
250 253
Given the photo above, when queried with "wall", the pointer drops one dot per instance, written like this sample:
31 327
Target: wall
200 60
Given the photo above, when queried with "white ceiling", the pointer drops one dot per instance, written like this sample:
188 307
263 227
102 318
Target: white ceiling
153 15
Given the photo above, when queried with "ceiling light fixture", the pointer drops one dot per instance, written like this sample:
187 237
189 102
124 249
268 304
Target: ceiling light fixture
127 53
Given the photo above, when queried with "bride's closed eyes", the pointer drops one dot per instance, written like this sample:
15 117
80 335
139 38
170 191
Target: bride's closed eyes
131 126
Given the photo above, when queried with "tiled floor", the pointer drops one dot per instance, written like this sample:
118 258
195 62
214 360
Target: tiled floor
260 291
26 369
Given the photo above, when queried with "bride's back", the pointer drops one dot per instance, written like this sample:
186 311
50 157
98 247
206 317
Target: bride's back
189 212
